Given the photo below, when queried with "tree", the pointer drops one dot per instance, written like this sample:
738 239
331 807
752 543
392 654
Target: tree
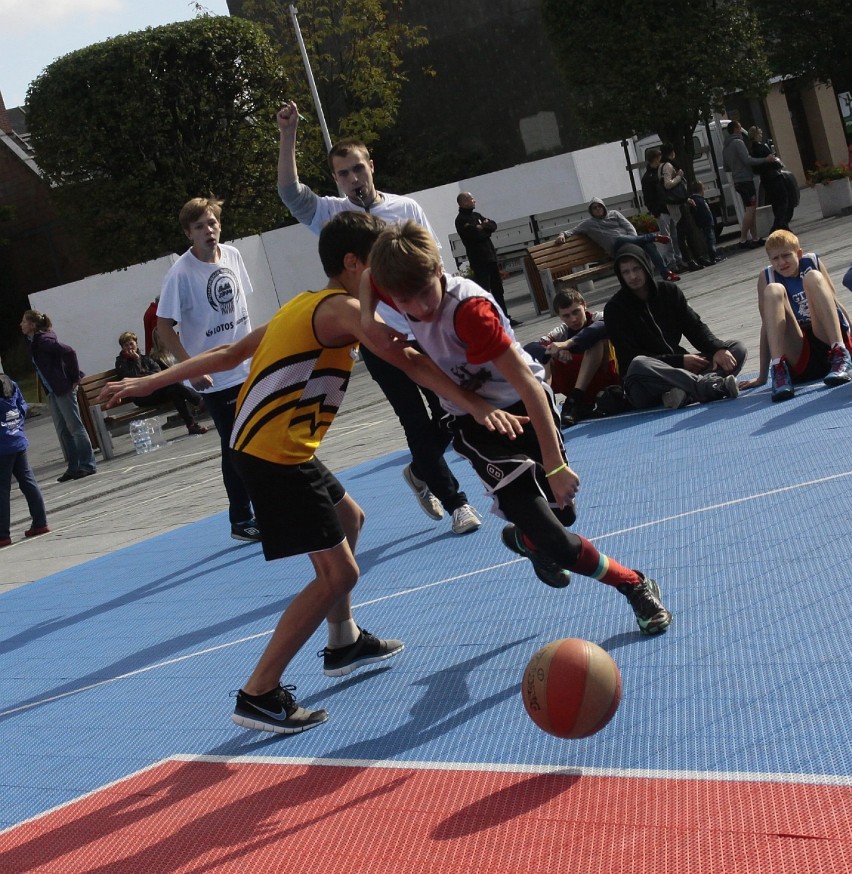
129 129
633 67
810 41
355 49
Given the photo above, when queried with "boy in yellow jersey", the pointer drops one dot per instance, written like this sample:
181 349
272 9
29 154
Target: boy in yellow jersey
301 363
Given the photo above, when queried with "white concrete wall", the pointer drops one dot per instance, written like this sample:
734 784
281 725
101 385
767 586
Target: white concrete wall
90 314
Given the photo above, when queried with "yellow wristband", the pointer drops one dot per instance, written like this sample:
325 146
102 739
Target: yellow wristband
563 466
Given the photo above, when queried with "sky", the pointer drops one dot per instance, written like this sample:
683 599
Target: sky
34 33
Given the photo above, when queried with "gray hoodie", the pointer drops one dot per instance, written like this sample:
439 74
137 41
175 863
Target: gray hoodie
604 231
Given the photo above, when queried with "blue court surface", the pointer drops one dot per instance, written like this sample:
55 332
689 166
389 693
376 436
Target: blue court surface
731 750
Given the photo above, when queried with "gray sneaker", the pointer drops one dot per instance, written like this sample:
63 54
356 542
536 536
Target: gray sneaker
429 504
275 711
465 519
674 399
367 650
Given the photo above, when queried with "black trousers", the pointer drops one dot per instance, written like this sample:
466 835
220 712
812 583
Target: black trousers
419 412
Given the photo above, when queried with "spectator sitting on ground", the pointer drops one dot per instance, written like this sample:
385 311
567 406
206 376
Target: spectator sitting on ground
578 359
803 326
130 364
611 230
646 320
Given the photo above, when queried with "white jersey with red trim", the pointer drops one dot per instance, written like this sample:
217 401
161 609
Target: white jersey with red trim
439 340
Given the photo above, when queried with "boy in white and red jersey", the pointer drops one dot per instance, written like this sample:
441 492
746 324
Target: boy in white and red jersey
804 329
461 328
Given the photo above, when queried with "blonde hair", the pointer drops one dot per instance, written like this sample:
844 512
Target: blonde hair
404 258
782 239
126 337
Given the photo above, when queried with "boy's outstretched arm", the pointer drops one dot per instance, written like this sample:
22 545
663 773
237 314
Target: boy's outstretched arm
563 480
221 358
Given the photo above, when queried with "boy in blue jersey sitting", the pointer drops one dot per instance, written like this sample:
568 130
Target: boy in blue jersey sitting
804 329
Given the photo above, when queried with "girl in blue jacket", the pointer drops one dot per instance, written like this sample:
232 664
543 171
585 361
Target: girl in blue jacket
13 461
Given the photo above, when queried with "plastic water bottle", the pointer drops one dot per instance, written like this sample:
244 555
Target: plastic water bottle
158 439
141 433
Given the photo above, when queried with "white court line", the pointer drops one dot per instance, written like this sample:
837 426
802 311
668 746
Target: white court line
486 767
404 592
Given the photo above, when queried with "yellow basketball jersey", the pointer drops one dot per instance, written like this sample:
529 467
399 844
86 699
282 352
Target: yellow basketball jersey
294 388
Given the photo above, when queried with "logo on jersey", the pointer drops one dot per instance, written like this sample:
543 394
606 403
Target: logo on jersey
471 381
223 290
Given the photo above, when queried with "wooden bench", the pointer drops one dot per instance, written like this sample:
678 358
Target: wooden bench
578 258
100 423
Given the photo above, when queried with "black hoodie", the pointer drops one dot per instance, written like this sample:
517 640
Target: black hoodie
654 327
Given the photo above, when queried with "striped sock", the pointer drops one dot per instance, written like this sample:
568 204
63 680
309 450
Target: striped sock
592 563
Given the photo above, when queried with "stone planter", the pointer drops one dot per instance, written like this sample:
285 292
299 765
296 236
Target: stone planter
835 198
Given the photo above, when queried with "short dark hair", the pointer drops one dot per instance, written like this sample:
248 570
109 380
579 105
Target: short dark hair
348 232
666 150
566 297
342 148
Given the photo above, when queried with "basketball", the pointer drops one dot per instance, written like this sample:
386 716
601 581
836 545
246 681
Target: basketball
571 688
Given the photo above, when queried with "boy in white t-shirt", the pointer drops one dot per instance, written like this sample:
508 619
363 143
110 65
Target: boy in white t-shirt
204 294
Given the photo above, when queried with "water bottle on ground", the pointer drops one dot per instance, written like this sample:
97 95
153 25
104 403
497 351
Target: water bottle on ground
158 439
141 434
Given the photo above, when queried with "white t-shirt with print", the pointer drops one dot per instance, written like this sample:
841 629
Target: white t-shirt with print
208 302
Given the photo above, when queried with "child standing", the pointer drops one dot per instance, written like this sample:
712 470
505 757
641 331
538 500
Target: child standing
705 220
464 332
14 462
804 329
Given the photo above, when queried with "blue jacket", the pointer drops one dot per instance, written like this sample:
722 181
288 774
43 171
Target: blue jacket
13 409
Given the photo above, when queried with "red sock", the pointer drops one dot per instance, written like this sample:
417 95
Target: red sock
592 563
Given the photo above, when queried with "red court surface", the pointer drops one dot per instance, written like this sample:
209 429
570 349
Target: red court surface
282 815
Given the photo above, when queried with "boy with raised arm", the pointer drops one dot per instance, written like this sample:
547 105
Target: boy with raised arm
461 328
300 369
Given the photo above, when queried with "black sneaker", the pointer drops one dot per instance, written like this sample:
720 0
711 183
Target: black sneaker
577 411
547 570
367 650
651 616
276 711
248 531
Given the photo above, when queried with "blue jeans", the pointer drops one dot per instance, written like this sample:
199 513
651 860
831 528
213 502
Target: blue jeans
16 464
73 438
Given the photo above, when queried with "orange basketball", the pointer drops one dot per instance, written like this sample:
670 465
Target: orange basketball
571 688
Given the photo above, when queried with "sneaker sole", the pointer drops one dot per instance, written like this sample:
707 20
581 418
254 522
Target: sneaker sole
833 381
362 663
425 506
274 727
243 539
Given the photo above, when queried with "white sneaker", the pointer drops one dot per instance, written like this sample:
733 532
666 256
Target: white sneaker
465 519
429 504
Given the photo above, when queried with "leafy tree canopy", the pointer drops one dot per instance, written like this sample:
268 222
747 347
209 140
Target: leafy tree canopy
129 129
635 68
809 40
355 51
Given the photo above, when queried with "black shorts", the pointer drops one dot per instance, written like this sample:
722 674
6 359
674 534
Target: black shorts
294 504
813 360
747 192
510 470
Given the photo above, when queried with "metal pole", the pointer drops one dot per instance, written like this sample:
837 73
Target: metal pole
311 83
